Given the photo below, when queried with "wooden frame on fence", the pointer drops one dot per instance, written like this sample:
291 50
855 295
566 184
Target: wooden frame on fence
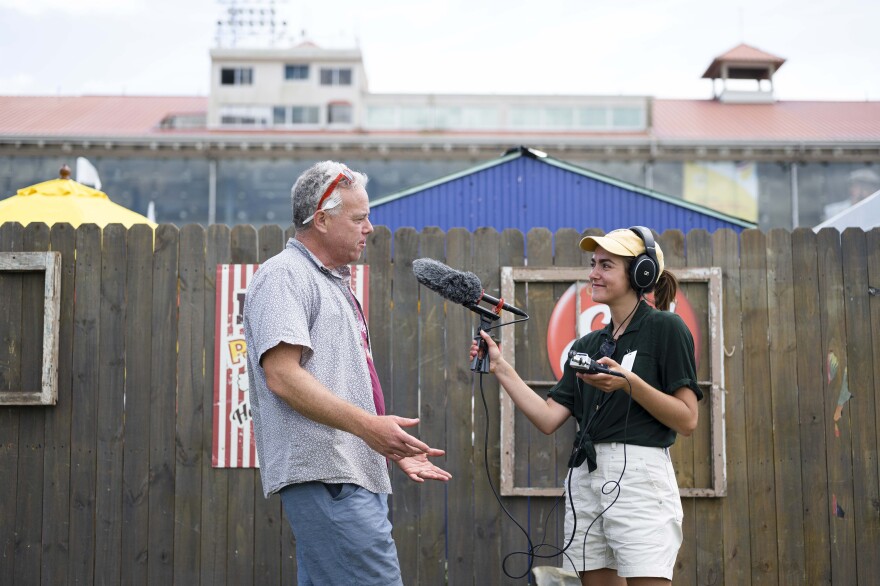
510 276
49 263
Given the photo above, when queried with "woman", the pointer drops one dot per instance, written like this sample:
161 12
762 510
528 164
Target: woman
627 514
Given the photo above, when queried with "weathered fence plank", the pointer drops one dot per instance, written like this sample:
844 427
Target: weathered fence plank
191 379
865 481
10 297
811 408
736 561
837 408
215 481
135 543
432 415
759 433
163 405
29 513
784 402
872 245
110 418
83 438
56 461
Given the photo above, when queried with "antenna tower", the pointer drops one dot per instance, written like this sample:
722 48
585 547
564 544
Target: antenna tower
251 23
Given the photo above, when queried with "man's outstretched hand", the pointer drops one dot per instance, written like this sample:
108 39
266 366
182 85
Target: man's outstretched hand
419 468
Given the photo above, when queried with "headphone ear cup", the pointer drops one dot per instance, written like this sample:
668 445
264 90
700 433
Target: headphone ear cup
642 273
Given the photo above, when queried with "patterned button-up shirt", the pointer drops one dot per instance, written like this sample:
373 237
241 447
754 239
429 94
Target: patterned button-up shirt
294 298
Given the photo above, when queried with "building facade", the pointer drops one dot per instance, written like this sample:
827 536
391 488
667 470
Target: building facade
231 157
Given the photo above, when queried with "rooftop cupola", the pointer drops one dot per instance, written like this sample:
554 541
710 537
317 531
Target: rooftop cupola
746 63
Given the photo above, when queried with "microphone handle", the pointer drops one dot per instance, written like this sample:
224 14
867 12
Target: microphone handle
480 363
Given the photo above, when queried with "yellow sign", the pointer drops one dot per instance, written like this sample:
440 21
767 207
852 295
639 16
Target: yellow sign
724 186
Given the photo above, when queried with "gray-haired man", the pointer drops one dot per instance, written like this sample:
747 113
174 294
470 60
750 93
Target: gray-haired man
319 414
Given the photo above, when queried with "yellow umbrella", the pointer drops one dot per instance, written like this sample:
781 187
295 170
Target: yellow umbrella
64 200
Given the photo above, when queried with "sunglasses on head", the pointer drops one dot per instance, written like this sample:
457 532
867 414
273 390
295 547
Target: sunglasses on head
344 175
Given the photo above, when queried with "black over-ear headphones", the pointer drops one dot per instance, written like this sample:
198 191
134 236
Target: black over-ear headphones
645 269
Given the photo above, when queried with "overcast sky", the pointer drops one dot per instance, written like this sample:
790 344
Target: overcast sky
638 47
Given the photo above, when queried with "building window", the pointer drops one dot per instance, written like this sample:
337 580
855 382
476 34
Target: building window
541 117
293 115
447 117
558 117
237 76
304 114
593 117
296 72
415 117
339 113
336 76
381 117
624 117
480 117
437 117
279 115
235 115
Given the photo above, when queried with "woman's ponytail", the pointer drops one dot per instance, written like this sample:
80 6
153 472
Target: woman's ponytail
665 290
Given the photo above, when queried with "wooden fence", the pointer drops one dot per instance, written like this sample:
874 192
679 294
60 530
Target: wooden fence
114 483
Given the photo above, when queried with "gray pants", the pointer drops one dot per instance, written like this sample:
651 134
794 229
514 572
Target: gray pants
343 535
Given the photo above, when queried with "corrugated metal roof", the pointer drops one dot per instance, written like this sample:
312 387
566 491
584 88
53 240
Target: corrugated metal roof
708 120
523 192
91 115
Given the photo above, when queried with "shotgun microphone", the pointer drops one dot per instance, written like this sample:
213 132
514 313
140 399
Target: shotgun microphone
457 286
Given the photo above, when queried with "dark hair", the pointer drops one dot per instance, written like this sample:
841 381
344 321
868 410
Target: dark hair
665 290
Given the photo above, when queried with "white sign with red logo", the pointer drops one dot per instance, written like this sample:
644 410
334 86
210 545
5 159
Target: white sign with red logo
233 445
563 330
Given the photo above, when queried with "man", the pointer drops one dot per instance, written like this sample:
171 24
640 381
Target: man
862 183
319 415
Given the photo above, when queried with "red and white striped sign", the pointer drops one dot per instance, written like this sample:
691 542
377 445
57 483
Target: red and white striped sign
234 445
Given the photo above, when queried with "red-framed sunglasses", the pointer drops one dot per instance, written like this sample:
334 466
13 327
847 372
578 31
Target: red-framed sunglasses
344 175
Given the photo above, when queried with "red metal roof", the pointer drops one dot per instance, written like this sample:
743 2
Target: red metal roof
685 120
710 120
743 52
91 115
742 55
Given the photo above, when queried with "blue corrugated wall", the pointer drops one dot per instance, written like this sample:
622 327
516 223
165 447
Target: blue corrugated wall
525 193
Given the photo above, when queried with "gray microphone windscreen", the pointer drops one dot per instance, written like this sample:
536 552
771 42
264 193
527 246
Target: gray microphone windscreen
456 286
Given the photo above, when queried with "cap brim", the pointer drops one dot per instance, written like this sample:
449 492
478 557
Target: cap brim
589 243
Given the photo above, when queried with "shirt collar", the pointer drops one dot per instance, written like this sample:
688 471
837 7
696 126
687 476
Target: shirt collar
634 324
341 272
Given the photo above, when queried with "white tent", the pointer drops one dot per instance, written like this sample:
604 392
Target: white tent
864 214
